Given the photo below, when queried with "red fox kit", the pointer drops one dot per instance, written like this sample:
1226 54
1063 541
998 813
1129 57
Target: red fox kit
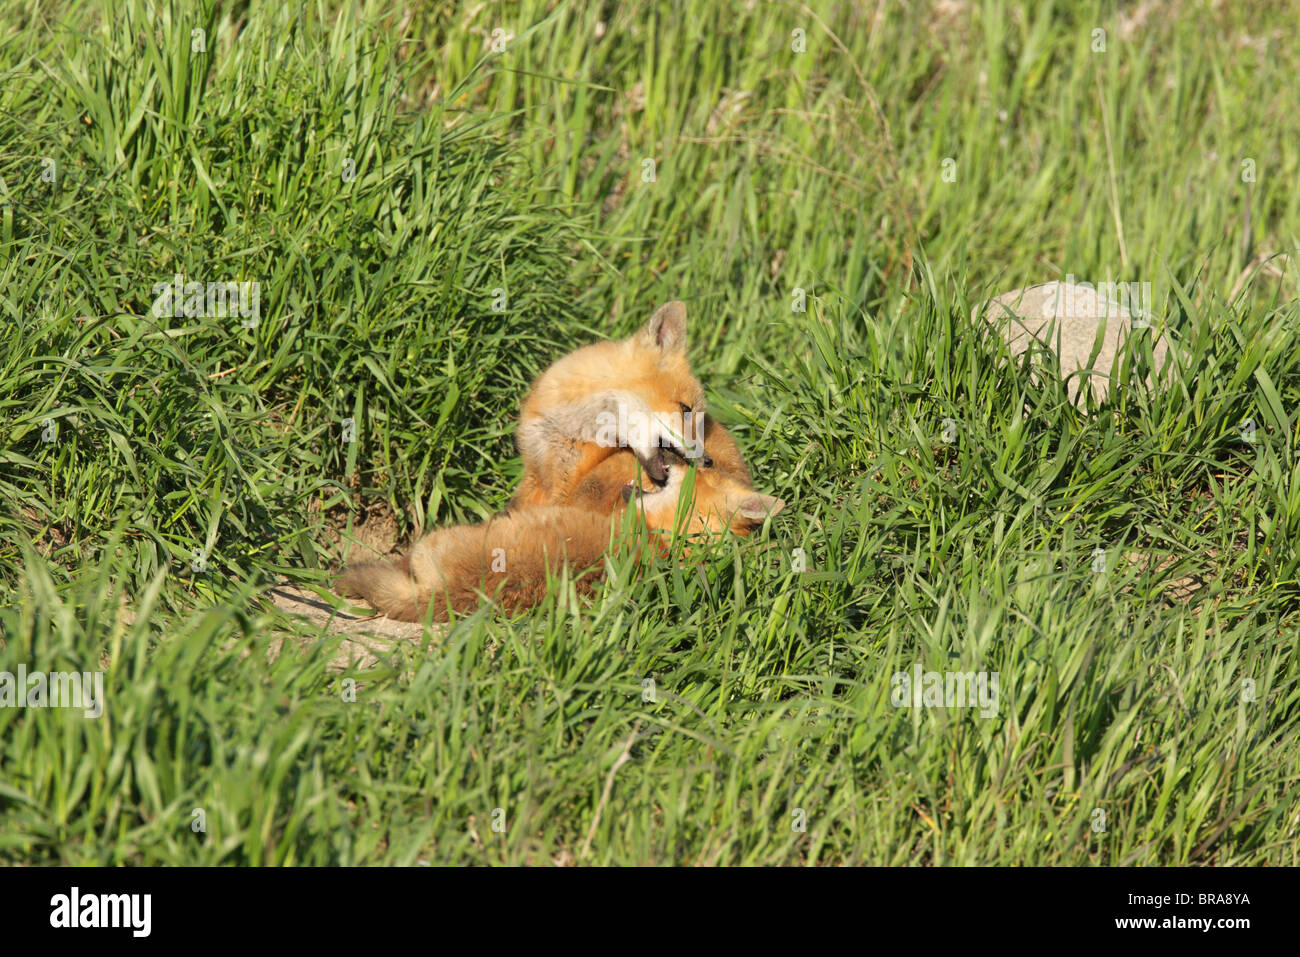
637 394
508 558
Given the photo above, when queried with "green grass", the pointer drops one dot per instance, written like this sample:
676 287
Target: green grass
1160 691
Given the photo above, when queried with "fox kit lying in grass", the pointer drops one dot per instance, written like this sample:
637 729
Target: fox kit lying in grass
637 394
508 558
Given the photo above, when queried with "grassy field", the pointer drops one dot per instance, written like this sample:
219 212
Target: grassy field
436 200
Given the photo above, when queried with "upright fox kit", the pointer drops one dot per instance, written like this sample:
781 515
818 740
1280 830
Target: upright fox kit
508 558
637 394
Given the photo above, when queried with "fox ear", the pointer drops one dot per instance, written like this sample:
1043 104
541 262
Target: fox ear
667 327
757 506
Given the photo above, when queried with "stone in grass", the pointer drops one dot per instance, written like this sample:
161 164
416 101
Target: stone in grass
1067 318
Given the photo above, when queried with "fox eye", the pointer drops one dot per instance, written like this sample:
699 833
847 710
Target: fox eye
686 409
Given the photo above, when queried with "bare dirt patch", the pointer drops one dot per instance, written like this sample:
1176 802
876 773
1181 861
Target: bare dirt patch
369 636
373 534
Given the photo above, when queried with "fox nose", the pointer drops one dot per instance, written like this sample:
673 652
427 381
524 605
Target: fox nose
708 461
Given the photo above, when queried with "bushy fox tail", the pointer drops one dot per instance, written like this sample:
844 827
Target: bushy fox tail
386 587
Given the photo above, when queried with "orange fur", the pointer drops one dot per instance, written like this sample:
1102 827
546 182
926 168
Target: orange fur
509 558
636 394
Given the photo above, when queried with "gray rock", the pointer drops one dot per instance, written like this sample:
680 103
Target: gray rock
1068 319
